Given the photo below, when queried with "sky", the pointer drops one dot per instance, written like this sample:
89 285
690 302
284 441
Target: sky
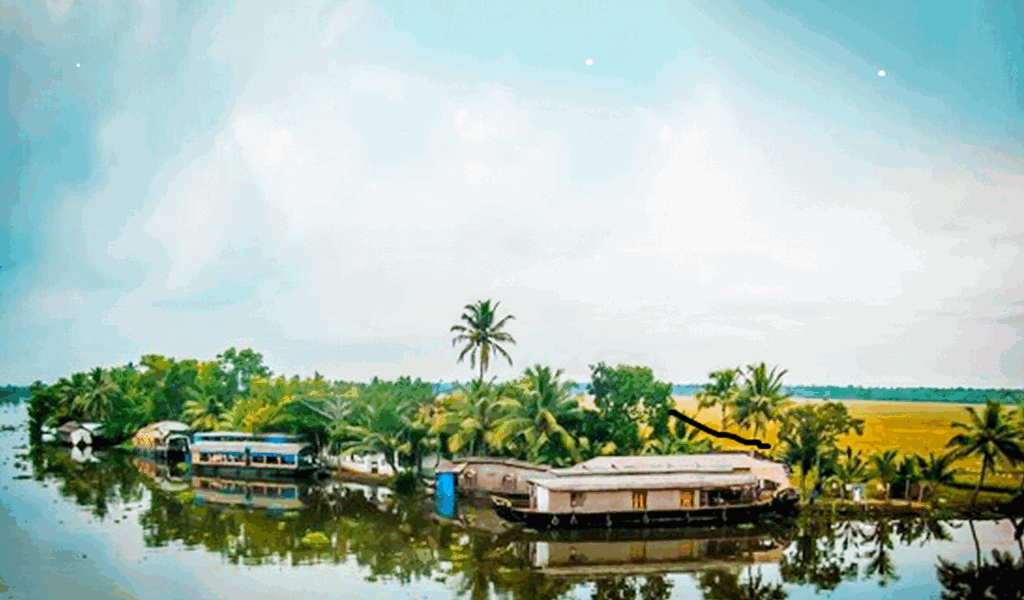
832 187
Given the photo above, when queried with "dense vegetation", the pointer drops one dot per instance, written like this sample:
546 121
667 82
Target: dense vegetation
538 416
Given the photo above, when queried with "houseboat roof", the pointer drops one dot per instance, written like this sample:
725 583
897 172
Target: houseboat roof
645 482
708 463
459 465
160 429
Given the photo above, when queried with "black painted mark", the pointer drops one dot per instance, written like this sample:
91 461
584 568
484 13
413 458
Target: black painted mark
718 434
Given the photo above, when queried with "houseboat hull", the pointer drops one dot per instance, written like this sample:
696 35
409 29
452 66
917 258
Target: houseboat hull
695 517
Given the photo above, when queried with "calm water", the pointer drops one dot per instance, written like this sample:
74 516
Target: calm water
110 526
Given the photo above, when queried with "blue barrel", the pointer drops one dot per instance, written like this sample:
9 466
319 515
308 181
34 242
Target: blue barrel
445 495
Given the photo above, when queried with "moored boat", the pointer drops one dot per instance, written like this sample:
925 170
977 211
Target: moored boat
240 454
657 491
164 439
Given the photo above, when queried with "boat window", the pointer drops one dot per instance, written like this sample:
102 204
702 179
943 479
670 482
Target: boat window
288 459
640 500
272 459
288 492
204 457
257 458
576 499
686 499
258 490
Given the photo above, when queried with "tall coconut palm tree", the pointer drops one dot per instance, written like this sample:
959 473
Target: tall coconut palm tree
482 333
760 400
537 417
722 392
990 436
885 469
907 472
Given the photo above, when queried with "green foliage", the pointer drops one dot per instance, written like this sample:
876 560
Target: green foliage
809 435
760 399
627 400
540 413
990 436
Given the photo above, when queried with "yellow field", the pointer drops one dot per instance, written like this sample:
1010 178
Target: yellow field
907 427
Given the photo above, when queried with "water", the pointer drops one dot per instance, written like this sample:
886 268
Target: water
111 526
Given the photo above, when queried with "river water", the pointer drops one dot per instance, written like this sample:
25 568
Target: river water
112 526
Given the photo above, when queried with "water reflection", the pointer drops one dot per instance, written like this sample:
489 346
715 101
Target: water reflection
285 522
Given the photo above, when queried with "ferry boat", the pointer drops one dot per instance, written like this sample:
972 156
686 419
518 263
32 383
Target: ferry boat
237 453
654 491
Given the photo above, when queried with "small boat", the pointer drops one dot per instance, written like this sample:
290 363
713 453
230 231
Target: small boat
237 453
657 491
73 433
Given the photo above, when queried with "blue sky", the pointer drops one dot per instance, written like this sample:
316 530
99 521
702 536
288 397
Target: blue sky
683 185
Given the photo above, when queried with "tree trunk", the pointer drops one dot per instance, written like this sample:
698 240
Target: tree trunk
974 534
981 480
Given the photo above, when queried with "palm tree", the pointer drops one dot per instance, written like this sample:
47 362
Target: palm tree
203 411
469 417
482 334
680 440
883 467
935 471
94 398
537 417
907 473
990 436
721 392
760 400
851 468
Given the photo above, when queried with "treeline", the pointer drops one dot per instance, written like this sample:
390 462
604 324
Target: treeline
12 394
535 417
919 394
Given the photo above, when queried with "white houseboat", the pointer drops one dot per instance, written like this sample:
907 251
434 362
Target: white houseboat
236 453
654 491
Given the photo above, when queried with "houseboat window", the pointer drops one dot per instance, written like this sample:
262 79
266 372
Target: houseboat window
272 459
576 499
204 457
288 493
640 500
686 499
238 457
288 459
257 458
259 490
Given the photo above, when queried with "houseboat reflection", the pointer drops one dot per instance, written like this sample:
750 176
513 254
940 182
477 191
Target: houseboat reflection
596 553
270 495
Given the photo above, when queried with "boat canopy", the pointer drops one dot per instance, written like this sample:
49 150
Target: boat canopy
647 482
705 463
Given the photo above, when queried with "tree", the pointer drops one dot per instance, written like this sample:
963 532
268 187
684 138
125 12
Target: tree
760 400
907 473
469 415
482 334
989 436
94 400
539 408
850 468
238 369
722 392
883 467
810 433
935 471
631 407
